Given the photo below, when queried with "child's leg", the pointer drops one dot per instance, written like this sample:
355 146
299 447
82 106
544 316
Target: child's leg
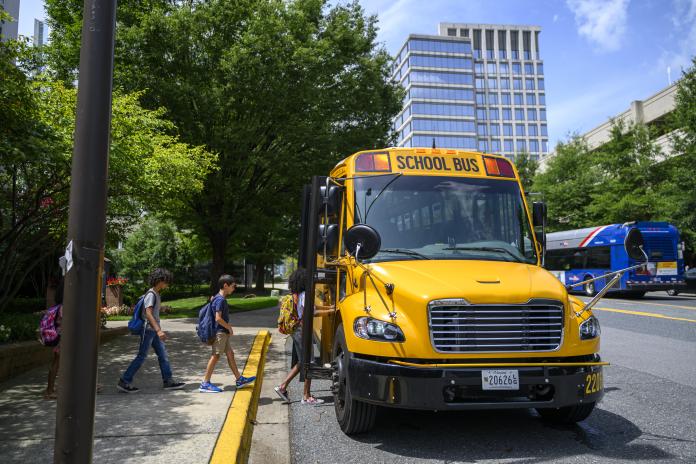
145 343
163 359
307 388
211 366
291 375
231 361
52 373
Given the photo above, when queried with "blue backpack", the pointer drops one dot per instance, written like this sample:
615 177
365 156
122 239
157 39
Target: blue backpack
206 327
137 323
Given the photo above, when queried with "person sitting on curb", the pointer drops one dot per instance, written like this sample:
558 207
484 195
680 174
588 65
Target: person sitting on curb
152 336
221 344
296 285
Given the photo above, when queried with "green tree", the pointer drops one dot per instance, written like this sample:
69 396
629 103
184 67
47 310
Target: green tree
526 168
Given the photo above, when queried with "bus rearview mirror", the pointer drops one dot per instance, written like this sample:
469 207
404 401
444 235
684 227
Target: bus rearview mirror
331 198
633 245
539 214
328 238
362 241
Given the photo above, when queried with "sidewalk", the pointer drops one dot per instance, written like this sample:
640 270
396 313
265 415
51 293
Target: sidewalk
151 425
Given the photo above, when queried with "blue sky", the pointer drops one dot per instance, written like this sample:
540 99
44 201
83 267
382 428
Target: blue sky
599 55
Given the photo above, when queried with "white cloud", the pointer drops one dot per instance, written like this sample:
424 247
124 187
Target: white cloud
683 45
602 22
555 18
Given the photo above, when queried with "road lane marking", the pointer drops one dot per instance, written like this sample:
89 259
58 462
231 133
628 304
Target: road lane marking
640 313
692 308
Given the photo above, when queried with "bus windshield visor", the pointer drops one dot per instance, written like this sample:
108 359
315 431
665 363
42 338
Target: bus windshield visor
421 217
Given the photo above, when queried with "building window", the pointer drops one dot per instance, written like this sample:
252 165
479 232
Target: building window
438 93
528 69
493 114
519 129
441 109
495 129
519 114
504 83
533 146
517 83
478 67
463 32
527 44
507 145
544 146
492 83
544 130
531 114
452 32
495 146
489 54
521 146
480 83
481 130
444 141
480 98
531 99
542 115
532 129
432 77
504 68
507 130
541 84
440 62
442 125
483 145
492 98
481 114
507 114
441 46
505 97
492 68
529 84
515 44
542 99
518 99
540 68
516 69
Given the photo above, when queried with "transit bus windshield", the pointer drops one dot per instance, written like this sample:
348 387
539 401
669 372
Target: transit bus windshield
420 217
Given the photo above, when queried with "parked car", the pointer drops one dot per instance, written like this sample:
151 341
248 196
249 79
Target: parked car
690 277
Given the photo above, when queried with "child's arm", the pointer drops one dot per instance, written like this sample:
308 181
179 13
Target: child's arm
321 311
222 322
153 323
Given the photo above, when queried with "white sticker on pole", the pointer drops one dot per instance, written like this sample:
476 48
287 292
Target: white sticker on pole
69 257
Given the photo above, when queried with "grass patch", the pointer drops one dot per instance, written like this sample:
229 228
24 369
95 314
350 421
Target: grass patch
189 307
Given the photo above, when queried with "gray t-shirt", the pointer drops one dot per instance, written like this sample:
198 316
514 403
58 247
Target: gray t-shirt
152 299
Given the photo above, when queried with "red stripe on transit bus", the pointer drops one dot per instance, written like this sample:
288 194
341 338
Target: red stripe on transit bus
589 237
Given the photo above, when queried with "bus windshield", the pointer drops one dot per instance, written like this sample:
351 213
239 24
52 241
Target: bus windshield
420 217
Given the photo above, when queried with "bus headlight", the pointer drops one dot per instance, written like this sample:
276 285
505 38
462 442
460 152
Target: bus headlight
374 329
590 329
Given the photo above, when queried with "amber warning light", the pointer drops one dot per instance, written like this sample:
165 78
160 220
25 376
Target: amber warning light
498 167
373 162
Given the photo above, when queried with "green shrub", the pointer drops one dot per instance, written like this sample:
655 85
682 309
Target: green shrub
19 326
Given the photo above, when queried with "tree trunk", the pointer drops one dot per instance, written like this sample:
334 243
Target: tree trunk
260 275
219 246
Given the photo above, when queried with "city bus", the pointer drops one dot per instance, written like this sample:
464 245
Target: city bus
580 255
432 258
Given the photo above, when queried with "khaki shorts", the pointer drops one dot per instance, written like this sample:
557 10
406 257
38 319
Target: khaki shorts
221 343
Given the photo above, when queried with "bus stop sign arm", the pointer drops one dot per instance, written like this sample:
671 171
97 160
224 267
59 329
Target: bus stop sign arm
86 226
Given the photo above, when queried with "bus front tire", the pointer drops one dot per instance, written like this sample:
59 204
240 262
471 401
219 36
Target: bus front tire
567 414
673 292
353 416
589 287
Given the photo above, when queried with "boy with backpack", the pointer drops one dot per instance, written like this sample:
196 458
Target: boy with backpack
152 336
221 342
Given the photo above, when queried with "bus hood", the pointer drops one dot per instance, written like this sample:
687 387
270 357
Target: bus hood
479 282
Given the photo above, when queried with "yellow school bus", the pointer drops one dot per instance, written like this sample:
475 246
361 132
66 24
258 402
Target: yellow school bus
432 258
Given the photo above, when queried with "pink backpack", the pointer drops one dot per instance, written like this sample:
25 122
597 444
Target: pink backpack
48 327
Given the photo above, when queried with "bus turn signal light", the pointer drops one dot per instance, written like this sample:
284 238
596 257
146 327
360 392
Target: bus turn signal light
498 167
373 162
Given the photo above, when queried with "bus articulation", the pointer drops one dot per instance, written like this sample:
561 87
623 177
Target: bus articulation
581 255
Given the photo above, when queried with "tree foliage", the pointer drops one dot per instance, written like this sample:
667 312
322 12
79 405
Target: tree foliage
526 168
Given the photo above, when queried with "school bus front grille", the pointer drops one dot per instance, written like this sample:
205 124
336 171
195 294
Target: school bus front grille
531 327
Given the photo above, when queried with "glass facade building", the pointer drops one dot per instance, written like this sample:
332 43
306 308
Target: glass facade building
474 86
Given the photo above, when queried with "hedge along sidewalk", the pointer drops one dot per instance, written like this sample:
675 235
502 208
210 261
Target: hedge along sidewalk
189 307
234 442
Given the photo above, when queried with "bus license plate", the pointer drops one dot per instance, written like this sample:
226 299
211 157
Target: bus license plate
507 379
667 268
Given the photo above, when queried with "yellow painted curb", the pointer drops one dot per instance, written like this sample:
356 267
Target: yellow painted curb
234 441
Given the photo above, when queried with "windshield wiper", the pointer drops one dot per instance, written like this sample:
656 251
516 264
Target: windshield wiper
405 252
496 249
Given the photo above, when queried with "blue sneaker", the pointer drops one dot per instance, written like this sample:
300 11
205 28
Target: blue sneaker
207 387
241 381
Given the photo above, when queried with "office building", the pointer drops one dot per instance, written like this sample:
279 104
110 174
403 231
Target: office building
473 86
8 29
39 38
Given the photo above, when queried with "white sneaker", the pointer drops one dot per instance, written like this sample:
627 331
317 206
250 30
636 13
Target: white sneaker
312 400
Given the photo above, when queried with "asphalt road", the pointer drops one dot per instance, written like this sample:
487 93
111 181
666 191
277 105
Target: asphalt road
648 412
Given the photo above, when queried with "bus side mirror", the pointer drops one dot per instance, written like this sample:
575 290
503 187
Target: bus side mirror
362 241
331 198
539 214
634 245
328 239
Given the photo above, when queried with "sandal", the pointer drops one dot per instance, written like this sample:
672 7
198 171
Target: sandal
282 393
312 400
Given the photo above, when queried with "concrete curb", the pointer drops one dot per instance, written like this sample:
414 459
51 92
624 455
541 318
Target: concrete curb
234 442
16 358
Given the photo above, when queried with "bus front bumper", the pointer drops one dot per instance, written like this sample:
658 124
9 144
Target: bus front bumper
455 388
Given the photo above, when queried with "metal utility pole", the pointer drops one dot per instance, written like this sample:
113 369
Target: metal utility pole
86 224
